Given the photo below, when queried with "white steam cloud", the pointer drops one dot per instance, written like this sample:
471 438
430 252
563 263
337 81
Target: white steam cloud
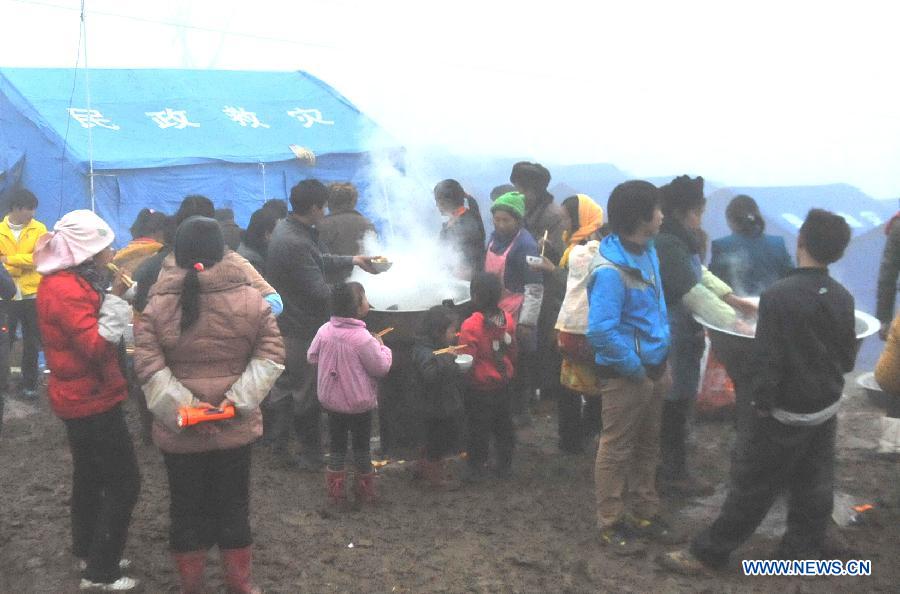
422 271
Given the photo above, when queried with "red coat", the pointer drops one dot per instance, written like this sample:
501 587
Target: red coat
85 377
486 375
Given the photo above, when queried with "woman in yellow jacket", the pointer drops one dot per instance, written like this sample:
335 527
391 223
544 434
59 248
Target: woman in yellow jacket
19 232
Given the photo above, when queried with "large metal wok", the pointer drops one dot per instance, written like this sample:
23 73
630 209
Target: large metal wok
735 351
405 313
731 341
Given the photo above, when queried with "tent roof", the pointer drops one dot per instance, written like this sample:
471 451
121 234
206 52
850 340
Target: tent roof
213 115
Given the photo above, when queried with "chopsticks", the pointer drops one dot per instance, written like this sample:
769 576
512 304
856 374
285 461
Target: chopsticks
129 282
385 331
449 349
544 242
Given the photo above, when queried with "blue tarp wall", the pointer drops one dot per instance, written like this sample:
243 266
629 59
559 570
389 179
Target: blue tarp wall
156 136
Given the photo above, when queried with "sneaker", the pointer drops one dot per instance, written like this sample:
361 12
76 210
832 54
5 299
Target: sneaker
123 584
656 529
124 564
682 561
622 540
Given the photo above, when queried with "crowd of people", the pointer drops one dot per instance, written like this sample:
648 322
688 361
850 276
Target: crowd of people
594 310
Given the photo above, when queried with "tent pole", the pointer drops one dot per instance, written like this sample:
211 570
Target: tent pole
262 167
87 92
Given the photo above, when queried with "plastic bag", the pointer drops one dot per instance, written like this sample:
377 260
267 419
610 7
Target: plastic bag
716 396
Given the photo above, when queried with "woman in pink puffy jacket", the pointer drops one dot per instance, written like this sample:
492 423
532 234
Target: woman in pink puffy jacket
350 361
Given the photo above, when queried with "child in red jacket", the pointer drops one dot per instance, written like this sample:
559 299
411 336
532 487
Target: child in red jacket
489 335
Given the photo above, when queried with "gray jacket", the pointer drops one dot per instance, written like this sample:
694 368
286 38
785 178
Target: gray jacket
296 267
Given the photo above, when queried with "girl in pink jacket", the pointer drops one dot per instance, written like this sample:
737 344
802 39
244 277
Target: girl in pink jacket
350 360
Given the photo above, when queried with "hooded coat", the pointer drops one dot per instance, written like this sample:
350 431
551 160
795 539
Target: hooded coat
233 351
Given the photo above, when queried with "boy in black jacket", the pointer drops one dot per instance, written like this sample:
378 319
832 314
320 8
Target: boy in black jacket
439 399
805 343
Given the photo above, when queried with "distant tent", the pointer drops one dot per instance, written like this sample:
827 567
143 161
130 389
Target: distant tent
156 136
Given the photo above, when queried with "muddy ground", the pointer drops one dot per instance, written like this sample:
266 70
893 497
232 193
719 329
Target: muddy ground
532 533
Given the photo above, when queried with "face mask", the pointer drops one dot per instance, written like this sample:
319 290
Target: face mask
445 218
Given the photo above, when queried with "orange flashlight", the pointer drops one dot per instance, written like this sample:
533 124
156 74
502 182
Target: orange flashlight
191 415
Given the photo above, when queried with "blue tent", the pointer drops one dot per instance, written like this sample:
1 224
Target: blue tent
151 137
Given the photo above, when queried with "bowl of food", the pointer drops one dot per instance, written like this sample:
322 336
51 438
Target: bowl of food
464 361
381 264
876 395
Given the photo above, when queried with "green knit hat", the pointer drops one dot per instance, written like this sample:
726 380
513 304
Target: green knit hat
511 202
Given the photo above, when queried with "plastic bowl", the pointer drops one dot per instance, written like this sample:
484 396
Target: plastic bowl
382 266
464 361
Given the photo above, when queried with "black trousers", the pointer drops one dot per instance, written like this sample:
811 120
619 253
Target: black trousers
773 458
24 313
293 401
358 427
105 487
4 360
209 499
577 423
440 436
489 414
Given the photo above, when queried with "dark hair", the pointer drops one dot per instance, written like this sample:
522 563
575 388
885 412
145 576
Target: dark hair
345 299
682 194
630 204
170 227
276 205
307 194
570 204
148 222
452 192
195 205
485 291
744 216
199 240
530 176
824 235
342 196
261 222
23 198
501 190
436 321
224 215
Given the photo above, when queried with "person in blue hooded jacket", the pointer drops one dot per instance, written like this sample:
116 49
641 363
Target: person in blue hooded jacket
629 331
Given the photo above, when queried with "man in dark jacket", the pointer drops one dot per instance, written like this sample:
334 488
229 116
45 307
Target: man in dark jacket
342 231
689 289
805 343
544 220
296 266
